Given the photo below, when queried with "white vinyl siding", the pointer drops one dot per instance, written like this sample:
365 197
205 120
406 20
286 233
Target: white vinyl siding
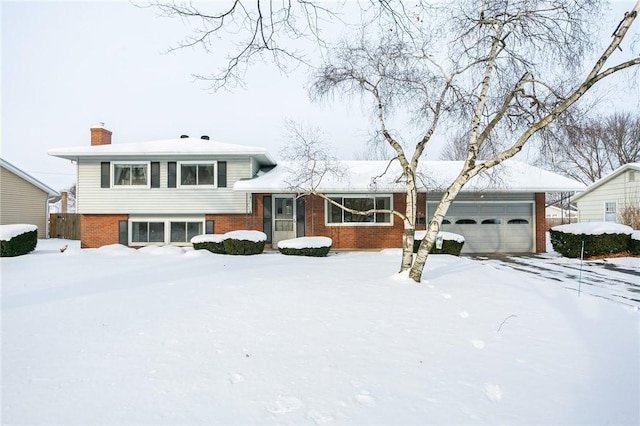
163 200
619 190
22 202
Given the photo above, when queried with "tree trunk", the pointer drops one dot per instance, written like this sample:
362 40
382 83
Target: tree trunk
434 228
409 221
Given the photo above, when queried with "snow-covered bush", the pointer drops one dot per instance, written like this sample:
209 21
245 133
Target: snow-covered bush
212 242
600 238
634 243
16 240
306 246
451 243
234 242
244 242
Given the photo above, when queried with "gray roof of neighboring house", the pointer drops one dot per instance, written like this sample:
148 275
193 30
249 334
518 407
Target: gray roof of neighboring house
24 175
600 182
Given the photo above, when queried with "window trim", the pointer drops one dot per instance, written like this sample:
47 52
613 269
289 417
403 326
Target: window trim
343 223
112 180
179 165
167 229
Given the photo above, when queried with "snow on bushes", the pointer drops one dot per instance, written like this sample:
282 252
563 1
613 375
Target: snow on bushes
451 243
600 238
19 239
306 246
234 242
212 242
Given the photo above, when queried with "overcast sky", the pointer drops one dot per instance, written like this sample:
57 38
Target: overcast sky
69 66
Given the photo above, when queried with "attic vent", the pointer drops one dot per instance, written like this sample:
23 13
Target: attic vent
184 136
205 137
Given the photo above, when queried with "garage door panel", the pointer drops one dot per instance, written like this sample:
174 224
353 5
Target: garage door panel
496 237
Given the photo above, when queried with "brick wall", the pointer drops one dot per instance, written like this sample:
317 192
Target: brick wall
353 237
98 230
541 223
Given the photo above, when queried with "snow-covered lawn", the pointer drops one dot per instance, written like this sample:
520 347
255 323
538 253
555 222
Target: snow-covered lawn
173 336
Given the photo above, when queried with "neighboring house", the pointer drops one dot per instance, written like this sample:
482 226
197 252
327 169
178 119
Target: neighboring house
23 198
554 212
607 198
167 191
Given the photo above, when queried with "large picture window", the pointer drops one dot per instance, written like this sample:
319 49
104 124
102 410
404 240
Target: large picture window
130 174
197 174
336 215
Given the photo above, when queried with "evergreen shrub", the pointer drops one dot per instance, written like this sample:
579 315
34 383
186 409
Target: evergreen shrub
308 251
243 247
570 245
448 247
634 243
19 245
213 247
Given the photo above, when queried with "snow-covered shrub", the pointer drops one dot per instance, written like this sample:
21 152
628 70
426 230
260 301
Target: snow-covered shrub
600 238
451 243
244 242
16 240
212 242
306 246
634 243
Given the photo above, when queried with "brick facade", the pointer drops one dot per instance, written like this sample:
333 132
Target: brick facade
353 237
541 223
97 230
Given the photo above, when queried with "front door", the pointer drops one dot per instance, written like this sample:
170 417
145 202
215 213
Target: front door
284 215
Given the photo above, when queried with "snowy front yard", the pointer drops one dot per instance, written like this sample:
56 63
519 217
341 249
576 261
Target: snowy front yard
167 336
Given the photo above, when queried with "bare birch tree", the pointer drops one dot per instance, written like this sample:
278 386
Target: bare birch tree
498 70
501 77
588 149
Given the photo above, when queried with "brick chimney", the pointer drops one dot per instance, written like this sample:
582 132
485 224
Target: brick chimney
100 135
64 197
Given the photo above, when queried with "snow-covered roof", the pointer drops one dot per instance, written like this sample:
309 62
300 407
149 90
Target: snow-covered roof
24 175
380 176
164 148
613 174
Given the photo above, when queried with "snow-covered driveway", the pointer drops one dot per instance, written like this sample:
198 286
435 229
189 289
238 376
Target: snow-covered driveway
613 279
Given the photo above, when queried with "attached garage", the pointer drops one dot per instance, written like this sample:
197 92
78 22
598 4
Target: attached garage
491 227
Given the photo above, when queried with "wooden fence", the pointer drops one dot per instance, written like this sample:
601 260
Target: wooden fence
64 225
554 221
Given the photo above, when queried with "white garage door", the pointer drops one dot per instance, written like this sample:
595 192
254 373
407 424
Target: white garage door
491 227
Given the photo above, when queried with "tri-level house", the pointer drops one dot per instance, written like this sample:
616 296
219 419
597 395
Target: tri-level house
165 192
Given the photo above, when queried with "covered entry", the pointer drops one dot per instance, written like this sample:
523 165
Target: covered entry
491 227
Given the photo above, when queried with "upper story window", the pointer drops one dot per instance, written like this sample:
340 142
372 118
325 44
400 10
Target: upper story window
336 215
197 174
131 174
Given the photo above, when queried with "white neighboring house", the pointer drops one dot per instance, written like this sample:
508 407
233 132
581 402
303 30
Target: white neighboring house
607 198
554 212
